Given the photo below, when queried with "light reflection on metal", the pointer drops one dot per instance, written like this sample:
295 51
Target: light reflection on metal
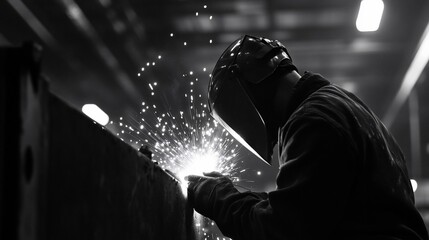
413 73
414 184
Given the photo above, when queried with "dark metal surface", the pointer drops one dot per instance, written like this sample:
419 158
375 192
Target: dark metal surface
64 177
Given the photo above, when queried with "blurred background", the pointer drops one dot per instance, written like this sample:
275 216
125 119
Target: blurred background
106 52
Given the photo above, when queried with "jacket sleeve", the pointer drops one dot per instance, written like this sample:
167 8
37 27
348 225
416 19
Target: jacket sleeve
317 169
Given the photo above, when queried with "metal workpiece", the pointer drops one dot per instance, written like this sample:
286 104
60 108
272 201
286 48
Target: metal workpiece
23 134
63 176
145 150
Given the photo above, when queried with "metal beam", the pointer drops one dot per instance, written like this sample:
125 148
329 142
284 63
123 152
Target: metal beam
411 76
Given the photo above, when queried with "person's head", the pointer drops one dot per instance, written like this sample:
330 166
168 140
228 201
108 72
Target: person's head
244 90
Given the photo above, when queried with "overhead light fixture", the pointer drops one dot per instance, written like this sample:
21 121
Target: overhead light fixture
95 113
369 17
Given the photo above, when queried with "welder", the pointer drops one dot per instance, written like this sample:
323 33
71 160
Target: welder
341 173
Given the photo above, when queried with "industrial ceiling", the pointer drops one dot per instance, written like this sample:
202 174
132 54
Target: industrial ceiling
95 50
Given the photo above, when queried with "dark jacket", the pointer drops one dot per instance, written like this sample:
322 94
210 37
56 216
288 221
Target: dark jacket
342 176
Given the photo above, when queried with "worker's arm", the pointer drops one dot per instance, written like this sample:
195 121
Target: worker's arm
315 179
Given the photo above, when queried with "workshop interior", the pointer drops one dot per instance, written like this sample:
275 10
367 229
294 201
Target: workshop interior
104 104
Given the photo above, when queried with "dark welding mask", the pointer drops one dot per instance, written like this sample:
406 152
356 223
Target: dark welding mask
248 60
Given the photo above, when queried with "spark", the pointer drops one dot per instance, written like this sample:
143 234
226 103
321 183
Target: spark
185 142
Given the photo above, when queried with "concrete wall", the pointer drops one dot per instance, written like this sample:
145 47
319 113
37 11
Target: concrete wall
65 177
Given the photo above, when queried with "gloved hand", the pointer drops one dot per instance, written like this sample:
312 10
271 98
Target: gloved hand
202 188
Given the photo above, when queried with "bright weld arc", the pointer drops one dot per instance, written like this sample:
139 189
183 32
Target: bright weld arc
187 144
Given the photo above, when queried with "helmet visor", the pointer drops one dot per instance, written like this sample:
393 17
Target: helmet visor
234 110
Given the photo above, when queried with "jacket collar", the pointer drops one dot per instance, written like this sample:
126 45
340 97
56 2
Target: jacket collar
308 84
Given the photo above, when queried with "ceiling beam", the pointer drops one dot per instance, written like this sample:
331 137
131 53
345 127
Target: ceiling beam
411 76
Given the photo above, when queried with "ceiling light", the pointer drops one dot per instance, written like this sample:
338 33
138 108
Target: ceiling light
369 17
95 113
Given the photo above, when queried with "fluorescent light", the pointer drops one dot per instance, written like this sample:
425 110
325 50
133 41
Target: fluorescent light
414 184
411 77
369 16
95 113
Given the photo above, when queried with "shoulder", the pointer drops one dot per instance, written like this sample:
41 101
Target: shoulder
325 112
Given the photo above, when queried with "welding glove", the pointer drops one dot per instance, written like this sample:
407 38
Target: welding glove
202 191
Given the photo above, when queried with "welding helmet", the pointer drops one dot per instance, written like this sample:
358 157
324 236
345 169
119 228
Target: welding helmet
248 60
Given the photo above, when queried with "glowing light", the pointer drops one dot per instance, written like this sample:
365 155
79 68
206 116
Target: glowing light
259 173
197 162
414 184
196 14
183 141
138 74
210 41
369 17
185 145
205 6
412 75
211 17
95 113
